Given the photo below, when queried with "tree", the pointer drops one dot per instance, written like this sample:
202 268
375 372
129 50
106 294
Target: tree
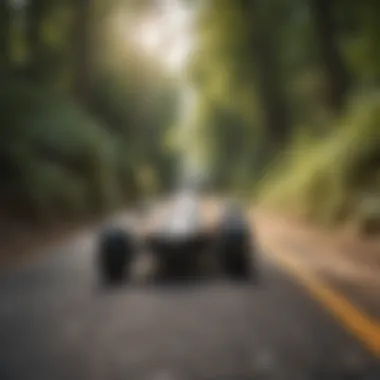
240 55
35 12
337 77
83 50
5 24
264 41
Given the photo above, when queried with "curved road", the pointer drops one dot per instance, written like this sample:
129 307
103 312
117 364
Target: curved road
56 322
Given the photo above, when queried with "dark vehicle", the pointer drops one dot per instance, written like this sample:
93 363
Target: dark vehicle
179 240
234 245
182 245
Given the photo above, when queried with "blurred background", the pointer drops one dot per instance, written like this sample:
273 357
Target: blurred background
109 105
104 103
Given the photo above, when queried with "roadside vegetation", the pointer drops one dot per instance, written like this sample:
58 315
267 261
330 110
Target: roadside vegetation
82 115
334 179
293 90
287 110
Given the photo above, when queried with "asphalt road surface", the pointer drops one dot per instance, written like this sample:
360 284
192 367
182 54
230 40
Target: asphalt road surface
58 323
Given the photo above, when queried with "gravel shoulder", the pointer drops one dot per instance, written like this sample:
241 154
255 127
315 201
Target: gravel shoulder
342 260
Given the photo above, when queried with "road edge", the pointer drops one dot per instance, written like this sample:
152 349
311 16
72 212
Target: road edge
362 326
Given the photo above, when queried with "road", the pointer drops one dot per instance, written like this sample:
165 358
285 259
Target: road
58 323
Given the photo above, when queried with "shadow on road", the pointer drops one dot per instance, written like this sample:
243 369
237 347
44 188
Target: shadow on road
171 286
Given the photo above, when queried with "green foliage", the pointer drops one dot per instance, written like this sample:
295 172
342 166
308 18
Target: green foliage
270 81
140 117
56 158
326 180
260 63
62 159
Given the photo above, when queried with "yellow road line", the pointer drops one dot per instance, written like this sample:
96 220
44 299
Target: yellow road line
362 326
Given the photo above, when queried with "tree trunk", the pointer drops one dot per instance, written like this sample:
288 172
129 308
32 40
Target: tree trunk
275 111
264 53
83 52
337 77
34 18
5 25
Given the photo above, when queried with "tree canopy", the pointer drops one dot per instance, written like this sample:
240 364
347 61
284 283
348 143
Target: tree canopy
278 85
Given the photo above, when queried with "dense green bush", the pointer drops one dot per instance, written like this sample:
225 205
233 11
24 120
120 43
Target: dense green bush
55 157
325 180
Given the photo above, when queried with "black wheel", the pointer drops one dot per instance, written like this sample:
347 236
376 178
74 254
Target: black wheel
235 249
237 262
115 255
